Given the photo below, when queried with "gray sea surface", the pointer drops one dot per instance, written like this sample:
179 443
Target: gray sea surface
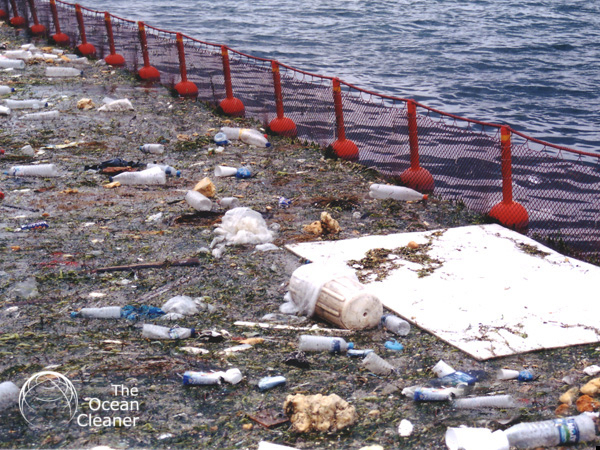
534 65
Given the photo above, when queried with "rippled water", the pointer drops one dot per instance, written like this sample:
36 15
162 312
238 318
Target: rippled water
534 65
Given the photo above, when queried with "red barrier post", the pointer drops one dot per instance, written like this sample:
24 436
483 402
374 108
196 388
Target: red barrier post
342 147
280 125
113 58
16 20
3 14
415 177
184 88
508 212
59 38
85 49
146 73
36 29
230 105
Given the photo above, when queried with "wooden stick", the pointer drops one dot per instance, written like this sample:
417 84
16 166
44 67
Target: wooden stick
151 265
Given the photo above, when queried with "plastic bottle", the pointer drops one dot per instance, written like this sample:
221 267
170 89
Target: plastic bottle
552 433
246 135
229 202
201 378
107 312
156 149
489 401
56 72
45 115
374 363
225 171
6 89
168 170
382 191
447 374
198 201
35 226
221 139
270 382
18 54
465 438
37 170
323 344
6 63
395 324
9 394
25 104
428 394
154 175
507 374
359 353
159 332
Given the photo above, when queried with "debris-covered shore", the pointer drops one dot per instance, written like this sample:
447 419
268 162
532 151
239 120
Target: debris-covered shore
101 244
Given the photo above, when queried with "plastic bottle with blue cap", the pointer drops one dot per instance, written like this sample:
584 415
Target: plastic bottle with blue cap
246 135
168 170
6 90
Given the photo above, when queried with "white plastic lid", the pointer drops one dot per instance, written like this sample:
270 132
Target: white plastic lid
441 369
464 438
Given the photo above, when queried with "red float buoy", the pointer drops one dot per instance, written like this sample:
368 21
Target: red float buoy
343 148
36 29
146 73
59 38
184 88
85 48
113 59
230 105
281 125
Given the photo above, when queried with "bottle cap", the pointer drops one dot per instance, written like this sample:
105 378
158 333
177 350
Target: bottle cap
350 345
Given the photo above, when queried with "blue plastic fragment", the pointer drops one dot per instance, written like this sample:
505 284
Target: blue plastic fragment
243 172
525 375
134 313
394 345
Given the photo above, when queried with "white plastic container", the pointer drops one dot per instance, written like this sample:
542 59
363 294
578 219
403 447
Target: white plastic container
43 115
159 332
508 374
225 171
323 344
201 378
198 201
490 401
429 394
229 202
154 175
107 312
464 438
156 149
395 324
247 136
9 394
63 72
34 170
374 363
4 110
383 191
6 89
552 433
6 63
25 104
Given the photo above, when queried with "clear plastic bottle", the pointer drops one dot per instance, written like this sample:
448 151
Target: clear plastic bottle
247 136
198 201
44 115
191 378
156 149
446 374
9 394
56 72
382 191
323 344
159 332
229 202
25 104
429 394
488 401
107 312
6 89
6 63
168 170
395 324
34 170
552 433
154 175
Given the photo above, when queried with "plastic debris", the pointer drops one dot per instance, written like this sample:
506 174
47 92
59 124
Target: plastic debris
241 226
231 376
9 395
85 104
394 345
374 363
267 383
405 428
319 413
592 370
159 332
122 104
182 305
36 226
206 187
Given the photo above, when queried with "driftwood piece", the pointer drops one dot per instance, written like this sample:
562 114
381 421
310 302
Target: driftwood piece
151 265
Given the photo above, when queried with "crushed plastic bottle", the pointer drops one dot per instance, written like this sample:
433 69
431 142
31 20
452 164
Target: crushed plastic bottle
247 136
129 312
168 170
267 383
383 191
154 175
36 226
395 324
25 104
159 332
430 394
34 170
156 149
450 377
231 376
56 72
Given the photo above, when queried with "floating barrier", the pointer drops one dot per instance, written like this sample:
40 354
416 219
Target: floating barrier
548 191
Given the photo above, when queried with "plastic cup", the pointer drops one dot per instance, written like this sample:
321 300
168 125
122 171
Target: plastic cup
507 374
225 171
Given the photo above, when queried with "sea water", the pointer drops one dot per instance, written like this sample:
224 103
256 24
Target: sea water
532 65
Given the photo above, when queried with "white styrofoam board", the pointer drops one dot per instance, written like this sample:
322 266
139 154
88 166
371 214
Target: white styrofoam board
490 297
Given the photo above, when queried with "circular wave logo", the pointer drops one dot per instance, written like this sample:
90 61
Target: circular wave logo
48 400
